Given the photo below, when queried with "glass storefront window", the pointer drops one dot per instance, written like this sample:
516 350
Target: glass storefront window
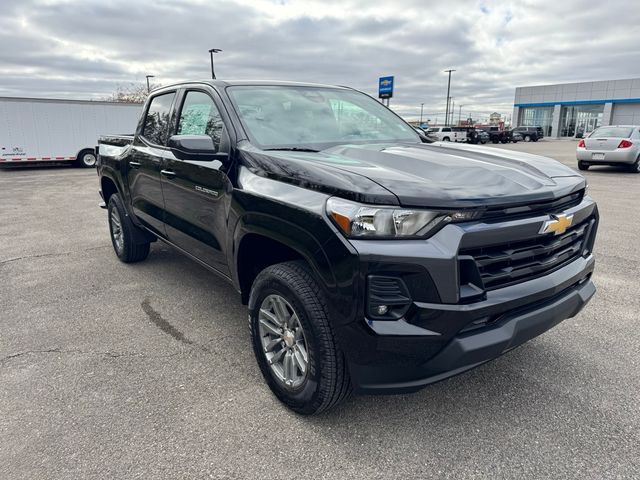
536 116
580 120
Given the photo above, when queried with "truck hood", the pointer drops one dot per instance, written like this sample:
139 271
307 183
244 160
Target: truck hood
423 175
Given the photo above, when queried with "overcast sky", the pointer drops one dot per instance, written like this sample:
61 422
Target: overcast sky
85 48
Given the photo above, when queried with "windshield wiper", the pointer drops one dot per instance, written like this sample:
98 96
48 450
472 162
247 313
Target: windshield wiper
292 149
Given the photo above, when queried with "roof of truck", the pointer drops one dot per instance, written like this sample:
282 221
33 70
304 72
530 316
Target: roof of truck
230 83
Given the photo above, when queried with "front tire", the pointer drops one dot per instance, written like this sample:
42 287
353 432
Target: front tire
527 138
122 231
583 165
293 340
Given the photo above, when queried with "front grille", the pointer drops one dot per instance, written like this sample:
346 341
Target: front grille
514 262
532 209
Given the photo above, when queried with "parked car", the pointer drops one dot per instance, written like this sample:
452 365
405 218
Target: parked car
530 134
476 135
617 145
496 135
371 261
447 134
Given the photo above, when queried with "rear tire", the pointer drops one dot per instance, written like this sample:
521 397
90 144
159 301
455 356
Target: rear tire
326 381
583 165
527 138
122 229
634 167
86 159
446 139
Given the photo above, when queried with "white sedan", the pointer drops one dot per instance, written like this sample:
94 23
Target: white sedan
611 145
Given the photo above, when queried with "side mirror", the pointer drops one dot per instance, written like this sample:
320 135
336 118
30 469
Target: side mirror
195 147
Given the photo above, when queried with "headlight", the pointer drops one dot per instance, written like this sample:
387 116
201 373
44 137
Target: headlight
358 220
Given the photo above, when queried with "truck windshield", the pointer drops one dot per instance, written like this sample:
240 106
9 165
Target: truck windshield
295 117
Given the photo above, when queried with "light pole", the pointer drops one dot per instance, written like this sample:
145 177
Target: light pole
211 52
451 110
149 86
421 109
446 115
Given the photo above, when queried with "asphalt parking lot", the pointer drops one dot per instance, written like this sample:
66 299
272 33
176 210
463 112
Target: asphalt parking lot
145 371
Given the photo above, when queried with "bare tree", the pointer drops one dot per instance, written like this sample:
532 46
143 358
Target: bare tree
129 93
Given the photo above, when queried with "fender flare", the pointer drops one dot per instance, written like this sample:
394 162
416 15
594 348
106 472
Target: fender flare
286 233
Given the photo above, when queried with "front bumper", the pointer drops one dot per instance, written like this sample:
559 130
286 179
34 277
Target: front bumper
441 337
467 350
607 157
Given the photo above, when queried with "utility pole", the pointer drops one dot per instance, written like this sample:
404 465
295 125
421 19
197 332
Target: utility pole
421 109
451 110
460 113
446 115
148 85
211 52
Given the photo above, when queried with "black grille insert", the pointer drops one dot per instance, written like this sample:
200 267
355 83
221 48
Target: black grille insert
530 209
514 262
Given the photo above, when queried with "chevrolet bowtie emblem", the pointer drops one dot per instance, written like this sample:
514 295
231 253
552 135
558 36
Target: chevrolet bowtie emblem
557 225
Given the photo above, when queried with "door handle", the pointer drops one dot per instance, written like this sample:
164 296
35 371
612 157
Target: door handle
134 164
168 173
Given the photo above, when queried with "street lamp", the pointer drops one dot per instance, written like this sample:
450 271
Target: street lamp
211 52
446 115
421 110
149 86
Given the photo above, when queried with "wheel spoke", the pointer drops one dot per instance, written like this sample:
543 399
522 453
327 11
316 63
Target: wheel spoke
292 322
274 330
280 310
300 361
272 344
303 351
276 357
288 367
270 317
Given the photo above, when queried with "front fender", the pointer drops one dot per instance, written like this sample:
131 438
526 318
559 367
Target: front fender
294 217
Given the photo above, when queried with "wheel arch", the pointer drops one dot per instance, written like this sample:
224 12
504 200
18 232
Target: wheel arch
262 240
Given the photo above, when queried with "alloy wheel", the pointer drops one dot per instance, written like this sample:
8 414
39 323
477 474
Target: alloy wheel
283 341
116 229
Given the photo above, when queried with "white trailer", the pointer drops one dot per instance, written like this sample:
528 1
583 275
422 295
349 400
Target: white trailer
52 130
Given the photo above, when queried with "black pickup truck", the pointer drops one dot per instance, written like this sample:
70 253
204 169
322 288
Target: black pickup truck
371 260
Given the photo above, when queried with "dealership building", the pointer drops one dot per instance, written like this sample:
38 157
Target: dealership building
575 109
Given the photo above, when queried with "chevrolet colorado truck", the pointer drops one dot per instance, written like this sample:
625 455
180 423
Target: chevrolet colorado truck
371 260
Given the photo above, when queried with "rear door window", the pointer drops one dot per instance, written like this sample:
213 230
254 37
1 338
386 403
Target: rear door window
156 122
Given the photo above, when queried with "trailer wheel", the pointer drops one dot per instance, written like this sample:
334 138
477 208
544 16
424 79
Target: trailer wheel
86 159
